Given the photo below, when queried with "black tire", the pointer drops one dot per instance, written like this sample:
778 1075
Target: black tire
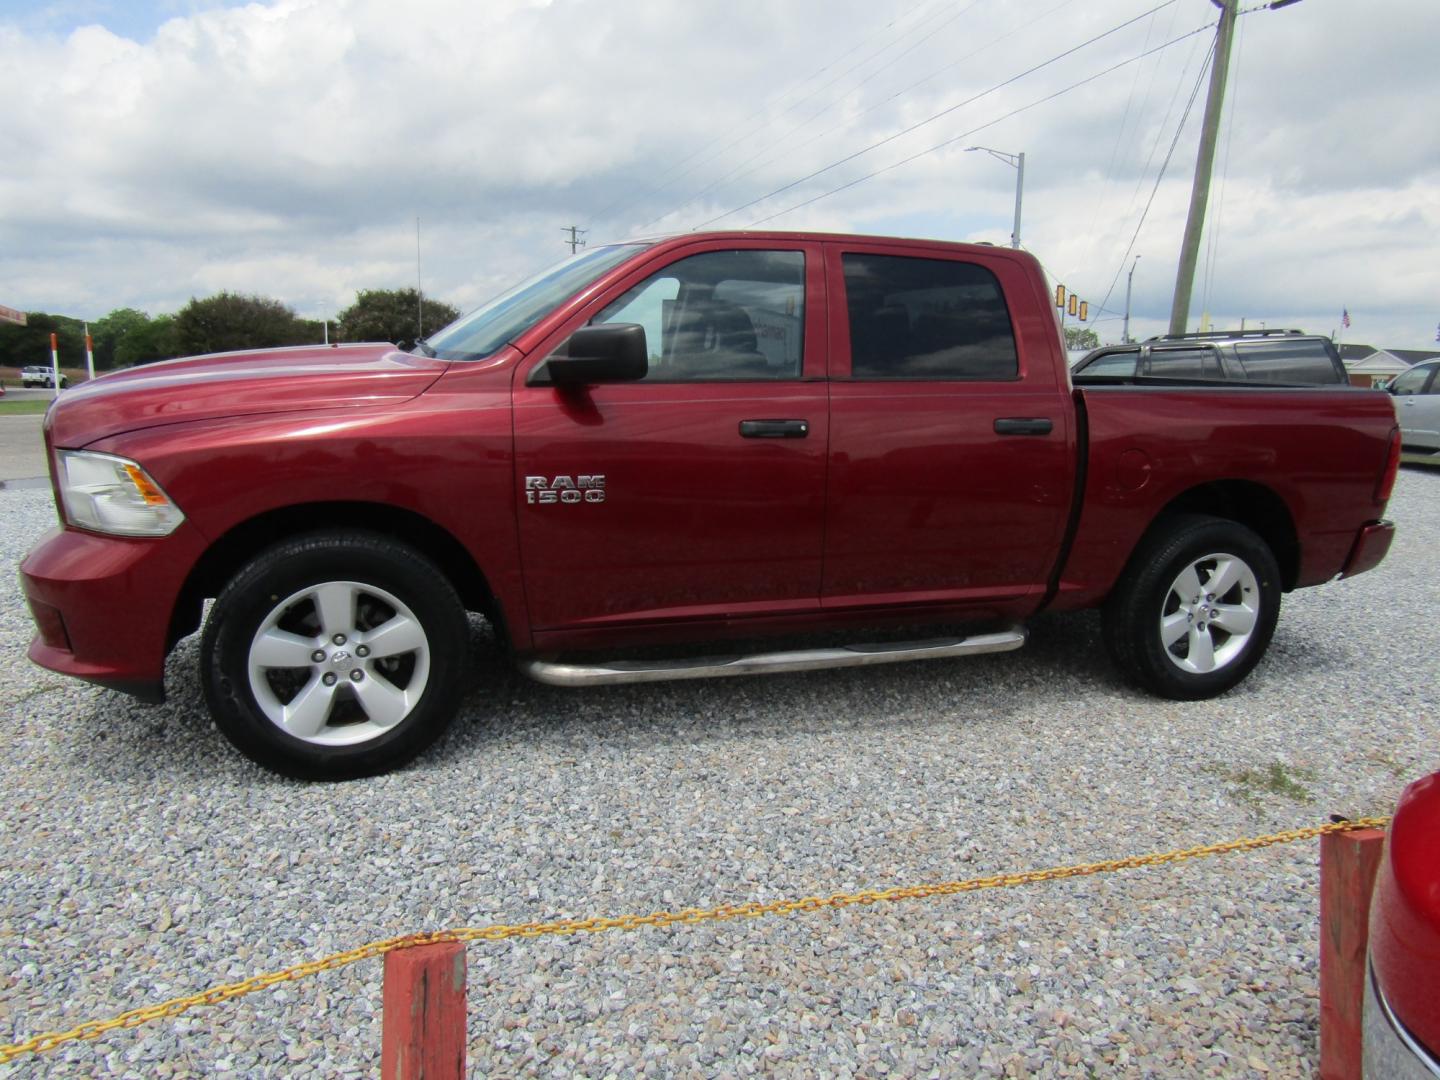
1188 647
344 709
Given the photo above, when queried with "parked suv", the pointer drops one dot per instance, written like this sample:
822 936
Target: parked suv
41 376
1285 357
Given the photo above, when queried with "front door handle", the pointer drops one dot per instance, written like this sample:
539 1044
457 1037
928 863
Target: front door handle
774 429
1023 425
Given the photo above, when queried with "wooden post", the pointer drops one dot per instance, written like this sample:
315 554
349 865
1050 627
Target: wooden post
1348 864
423 1022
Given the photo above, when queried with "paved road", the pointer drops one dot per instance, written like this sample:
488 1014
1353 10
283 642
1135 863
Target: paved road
22 449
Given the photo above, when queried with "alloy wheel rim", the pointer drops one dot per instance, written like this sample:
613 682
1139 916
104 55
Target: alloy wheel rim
338 663
1210 613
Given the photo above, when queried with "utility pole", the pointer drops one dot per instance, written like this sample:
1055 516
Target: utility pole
1204 165
575 233
1129 283
1205 161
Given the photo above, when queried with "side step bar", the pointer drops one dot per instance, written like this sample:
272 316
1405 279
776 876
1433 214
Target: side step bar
710 667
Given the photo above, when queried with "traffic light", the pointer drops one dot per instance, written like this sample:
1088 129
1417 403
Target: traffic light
1074 304
1060 296
1084 310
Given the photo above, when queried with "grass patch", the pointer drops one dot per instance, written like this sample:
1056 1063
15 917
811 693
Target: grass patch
22 408
1274 779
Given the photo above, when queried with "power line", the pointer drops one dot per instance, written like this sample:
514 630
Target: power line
1189 105
982 127
943 112
669 176
1120 132
1160 129
851 121
784 137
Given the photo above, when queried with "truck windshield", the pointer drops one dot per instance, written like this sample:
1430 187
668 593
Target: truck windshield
510 314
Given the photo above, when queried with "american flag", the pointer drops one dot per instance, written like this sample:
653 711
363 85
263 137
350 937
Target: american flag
1345 318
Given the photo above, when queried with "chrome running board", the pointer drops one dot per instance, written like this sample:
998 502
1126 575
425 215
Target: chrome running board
711 667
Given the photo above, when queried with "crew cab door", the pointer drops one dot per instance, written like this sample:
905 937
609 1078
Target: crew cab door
697 492
951 443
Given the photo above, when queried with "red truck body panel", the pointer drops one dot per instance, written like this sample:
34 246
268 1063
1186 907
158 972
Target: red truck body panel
903 502
1148 447
239 384
1405 913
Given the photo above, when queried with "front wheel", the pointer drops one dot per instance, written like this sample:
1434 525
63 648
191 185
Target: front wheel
1195 609
334 655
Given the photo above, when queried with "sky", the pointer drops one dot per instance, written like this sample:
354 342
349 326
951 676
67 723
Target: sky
154 152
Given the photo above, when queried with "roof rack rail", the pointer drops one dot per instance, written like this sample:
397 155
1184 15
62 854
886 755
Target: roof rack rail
1218 335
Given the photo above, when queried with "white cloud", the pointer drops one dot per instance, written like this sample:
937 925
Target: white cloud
287 148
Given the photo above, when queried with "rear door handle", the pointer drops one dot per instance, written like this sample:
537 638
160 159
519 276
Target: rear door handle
774 429
1023 425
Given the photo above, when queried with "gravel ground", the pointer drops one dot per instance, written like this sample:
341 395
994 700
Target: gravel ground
143 859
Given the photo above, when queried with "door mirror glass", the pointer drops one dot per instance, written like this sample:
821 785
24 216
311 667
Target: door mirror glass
614 352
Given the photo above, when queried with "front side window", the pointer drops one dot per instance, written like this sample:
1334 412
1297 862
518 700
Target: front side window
913 318
1412 381
721 315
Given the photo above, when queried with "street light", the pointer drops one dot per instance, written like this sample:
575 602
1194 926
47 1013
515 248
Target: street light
1017 162
1130 281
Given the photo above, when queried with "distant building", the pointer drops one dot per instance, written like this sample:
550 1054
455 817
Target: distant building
1369 366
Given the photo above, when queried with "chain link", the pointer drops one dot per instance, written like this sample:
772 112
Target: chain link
93 1029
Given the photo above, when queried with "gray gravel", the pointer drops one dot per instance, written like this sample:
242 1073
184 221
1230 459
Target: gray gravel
143 859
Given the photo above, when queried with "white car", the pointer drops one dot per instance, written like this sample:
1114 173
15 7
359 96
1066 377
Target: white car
41 376
1417 404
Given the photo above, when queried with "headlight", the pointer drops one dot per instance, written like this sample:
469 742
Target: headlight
114 495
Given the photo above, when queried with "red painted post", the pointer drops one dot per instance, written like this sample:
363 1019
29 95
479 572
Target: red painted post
423 1023
1348 863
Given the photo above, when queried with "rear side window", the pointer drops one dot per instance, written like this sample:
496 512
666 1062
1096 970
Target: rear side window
1189 362
1306 362
914 318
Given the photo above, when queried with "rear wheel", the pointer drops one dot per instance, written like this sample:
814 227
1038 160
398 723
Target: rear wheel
1195 609
334 655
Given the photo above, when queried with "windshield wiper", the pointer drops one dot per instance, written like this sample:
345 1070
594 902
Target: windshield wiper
424 347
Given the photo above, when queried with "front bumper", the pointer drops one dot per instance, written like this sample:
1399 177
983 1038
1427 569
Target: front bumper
1390 1051
103 605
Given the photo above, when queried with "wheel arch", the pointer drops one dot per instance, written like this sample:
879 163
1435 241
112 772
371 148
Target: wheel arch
224 558
1247 503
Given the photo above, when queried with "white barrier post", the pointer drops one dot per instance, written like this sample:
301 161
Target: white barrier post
55 363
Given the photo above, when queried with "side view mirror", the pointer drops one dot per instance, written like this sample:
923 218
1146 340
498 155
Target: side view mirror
611 352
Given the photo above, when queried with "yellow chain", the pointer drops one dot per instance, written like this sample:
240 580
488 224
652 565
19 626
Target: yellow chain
93 1029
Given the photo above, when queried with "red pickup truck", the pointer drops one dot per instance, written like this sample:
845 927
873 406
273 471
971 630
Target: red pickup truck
706 437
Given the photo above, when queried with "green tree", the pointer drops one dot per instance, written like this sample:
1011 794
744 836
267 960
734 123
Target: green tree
1081 337
233 321
154 339
390 315
22 346
110 331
